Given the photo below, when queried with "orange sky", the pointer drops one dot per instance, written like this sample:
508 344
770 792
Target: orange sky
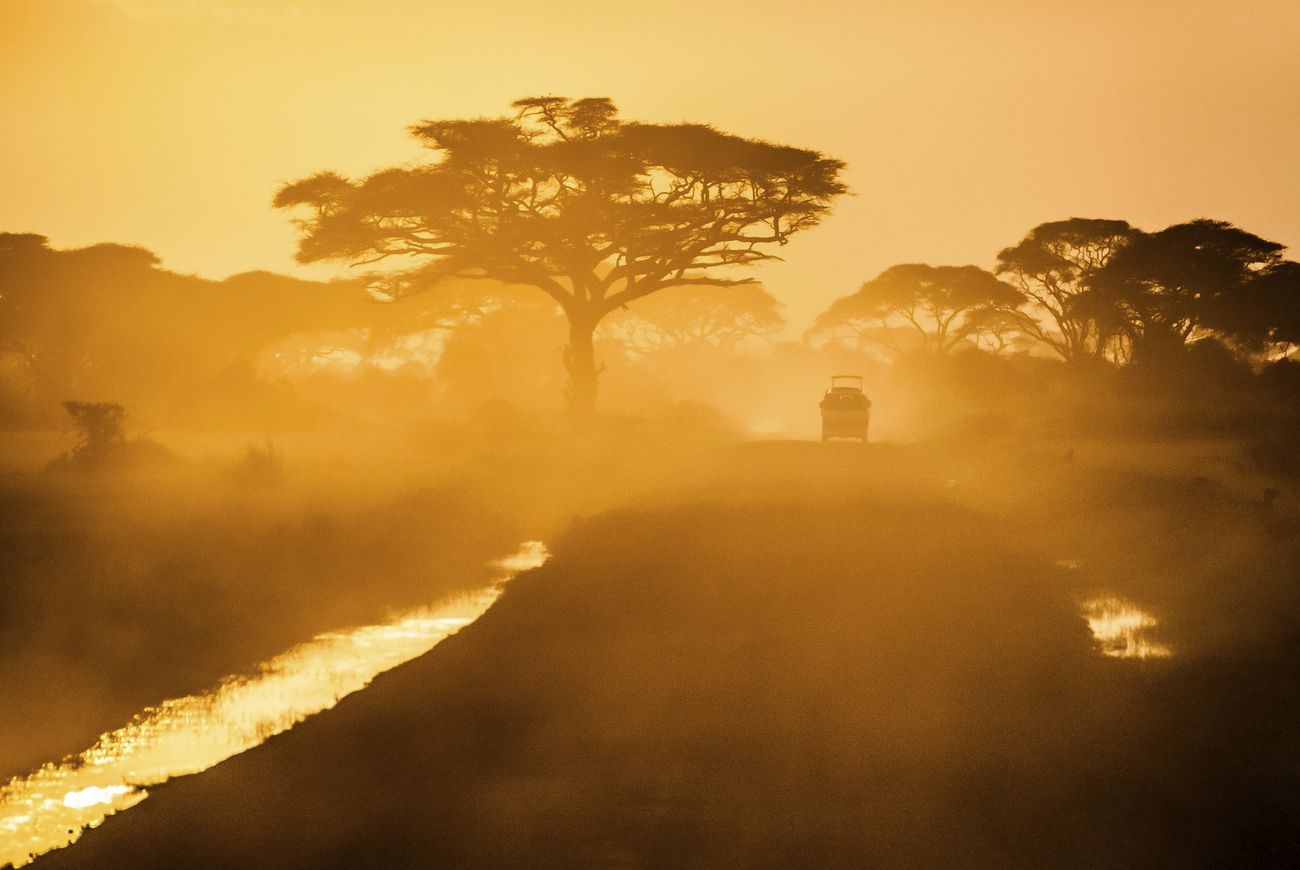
169 123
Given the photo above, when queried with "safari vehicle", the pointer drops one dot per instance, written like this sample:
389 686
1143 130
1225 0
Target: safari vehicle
846 410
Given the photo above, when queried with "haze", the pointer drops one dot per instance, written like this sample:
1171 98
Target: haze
724 436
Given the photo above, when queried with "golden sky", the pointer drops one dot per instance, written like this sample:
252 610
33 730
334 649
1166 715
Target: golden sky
169 123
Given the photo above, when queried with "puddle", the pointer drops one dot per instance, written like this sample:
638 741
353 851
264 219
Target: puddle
1122 629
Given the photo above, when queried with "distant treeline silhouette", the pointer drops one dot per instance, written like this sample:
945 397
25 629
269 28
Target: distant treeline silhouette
1088 289
563 234
107 323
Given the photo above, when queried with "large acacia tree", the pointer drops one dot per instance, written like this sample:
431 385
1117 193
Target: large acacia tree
1053 265
1196 279
565 197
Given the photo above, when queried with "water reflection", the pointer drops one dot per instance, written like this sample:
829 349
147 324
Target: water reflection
50 808
1122 629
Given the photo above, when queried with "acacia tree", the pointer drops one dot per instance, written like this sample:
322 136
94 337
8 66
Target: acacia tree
697 317
62 312
1275 308
1195 279
1000 330
565 197
933 307
1052 266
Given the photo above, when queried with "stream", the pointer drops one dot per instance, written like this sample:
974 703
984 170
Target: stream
49 809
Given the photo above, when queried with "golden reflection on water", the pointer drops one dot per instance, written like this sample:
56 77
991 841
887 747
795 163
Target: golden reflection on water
50 808
1121 629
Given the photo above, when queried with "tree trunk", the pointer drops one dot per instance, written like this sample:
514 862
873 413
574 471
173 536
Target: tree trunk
580 361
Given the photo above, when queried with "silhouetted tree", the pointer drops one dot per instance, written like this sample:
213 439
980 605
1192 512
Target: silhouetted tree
697 317
103 442
933 307
1272 312
103 433
389 327
102 424
567 198
496 355
1002 330
1052 265
1194 279
109 320
53 305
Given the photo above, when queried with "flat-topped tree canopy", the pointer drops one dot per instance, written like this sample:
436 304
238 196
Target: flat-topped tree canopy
1192 280
566 197
937 307
1053 265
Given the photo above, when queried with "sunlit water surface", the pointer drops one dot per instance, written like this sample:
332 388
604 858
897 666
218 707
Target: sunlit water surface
1122 629
51 807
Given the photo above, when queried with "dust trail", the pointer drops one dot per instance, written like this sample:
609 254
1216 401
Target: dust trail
50 808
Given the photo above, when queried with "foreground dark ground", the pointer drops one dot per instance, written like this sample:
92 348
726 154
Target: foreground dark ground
813 656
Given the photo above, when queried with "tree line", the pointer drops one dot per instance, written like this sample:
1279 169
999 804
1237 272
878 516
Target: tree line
1087 289
639 237
565 197
109 323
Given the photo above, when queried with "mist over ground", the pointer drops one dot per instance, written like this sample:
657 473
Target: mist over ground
812 656
823 650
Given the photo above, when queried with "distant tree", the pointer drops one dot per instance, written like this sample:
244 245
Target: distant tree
496 355
102 425
1052 266
567 198
109 320
1002 330
1191 280
59 310
1274 305
103 435
22 256
389 325
103 442
916 305
697 317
